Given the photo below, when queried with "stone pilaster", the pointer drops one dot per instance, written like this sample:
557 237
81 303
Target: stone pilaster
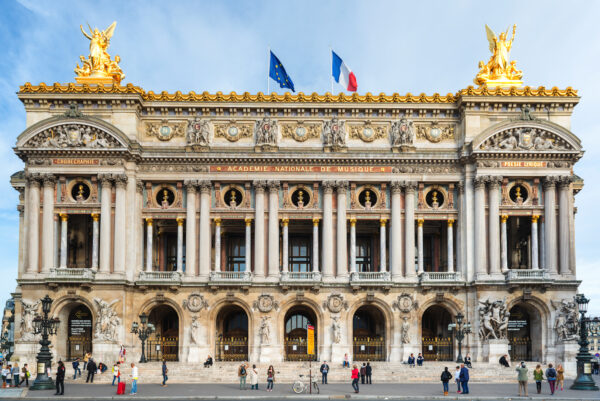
248 255
95 239
382 245
180 243
120 243
353 245
564 226
420 246
315 241
534 243
503 243
217 223
149 261
450 246
284 244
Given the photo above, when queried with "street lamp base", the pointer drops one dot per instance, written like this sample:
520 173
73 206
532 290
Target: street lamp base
42 382
584 382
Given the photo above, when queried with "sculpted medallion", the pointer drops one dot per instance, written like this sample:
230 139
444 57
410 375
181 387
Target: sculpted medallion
335 303
164 130
405 303
367 132
265 303
195 302
435 132
233 131
300 132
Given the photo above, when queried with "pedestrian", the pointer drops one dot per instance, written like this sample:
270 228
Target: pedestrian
420 360
60 378
91 369
560 377
270 377
242 373
445 378
464 378
9 376
254 378
16 374
369 373
324 369
116 373
538 376
468 363
522 378
596 367
122 354
25 375
346 363
165 370
411 361
76 368
134 379
86 359
363 373
504 361
551 377
457 379
354 377
4 373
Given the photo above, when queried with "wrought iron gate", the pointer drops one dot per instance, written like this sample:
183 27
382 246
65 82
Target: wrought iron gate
163 348
520 348
438 348
296 350
232 349
368 349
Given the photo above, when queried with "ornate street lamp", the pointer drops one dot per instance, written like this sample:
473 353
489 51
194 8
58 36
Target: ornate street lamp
461 329
143 330
46 327
584 379
6 345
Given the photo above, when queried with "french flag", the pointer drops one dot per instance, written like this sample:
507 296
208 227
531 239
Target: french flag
342 74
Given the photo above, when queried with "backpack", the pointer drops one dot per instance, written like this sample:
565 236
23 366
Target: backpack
446 375
551 373
242 371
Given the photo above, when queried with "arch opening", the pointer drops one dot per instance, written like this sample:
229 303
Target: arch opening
368 333
232 334
525 333
164 344
298 320
437 342
79 337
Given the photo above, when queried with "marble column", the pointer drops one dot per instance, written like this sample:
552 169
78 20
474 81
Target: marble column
248 247
63 240
190 228
205 234
549 185
56 242
95 239
273 229
120 244
327 238
353 245
494 224
409 229
395 237
341 231
34 228
382 245
180 243
217 222
22 238
105 221
460 254
450 245
420 245
149 244
259 228
284 245
480 235
534 242
503 243
315 241
48 223
542 242
564 226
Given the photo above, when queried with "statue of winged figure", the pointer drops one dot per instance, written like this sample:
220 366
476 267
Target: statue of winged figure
99 64
499 67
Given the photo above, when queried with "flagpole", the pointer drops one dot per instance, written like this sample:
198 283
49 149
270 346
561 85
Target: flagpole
331 68
268 68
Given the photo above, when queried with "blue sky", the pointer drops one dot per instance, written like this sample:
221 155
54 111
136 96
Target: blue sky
392 46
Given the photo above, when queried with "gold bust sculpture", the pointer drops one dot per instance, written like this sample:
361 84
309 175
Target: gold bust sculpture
499 71
98 68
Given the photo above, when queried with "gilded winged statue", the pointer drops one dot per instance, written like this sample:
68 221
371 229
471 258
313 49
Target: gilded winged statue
99 65
499 67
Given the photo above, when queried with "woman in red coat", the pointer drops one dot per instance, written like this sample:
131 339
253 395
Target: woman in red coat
355 378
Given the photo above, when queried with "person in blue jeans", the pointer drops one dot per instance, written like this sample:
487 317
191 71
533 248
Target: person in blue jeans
164 374
420 360
464 378
134 379
76 369
324 370
445 378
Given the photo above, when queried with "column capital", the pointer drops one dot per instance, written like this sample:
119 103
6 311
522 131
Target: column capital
106 180
63 216
95 216
139 186
33 179
217 221
259 185
49 180
180 221
205 186
342 186
383 221
549 182
120 180
328 186
535 218
352 221
450 222
285 221
190 186
420 222
503 218
495 181
396 187
273 186
461 187
410 186
248 221
315 221
479 182
564 181
149 221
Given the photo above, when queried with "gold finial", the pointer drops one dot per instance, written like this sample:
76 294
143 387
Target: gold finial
499 71
98 68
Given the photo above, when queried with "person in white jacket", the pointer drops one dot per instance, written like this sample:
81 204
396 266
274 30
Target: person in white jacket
134 379
457 378
254 378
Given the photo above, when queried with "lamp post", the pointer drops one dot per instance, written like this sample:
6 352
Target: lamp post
46 327
143 330
584 379
6 345
461 329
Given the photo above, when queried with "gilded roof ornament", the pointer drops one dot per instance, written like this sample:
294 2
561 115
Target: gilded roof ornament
98 68
499 70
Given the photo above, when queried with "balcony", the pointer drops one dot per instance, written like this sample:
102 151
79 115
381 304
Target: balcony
370 278
440 278
219 277
308 278
159 278
71 275
527 276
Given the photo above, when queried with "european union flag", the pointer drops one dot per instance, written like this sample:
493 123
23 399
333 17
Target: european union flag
278 74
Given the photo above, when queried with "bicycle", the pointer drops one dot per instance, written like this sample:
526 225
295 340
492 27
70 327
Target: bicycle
299 386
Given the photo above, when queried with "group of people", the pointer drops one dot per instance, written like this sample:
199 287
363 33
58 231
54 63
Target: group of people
245 372
554 376
461 378
12 376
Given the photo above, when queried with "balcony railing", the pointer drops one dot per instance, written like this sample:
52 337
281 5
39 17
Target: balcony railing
159 278
244 277
370 277
75 275
441 277
527 275
300 277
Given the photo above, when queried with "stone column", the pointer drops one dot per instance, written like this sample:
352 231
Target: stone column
564 227
420 245
341 232
217 222
120 223
395 237
34 228
327 248
204 259
48 223
149 244
284 245
503 244
95 238
105 221
353 244
190 228
494 224
461 260
180 243
273 229
63 240
56 242
409 229
248 255
450 246
534 243
259 228
480 237
382 245
542 242
22 238
315 259
550 223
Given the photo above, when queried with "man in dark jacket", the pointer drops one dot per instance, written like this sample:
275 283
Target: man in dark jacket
369 372
324 370
91 369
60 378
363 373
411 361
464 378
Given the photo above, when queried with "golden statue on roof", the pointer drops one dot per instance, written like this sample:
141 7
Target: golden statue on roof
98 68
499 71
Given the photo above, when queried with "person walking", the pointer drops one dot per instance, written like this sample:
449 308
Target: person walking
346 363
116 373
522 378
538 376
16 374
354 377
445 378
60 378
242 373
324 369
363 373
254 378
76 368
25 375
560 377
464 378
369 372
86 359
165 370
551 377
420 360
134 379
91 369
270 377
9 376
457 379
411 361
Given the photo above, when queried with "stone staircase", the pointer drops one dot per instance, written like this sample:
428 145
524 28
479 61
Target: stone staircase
287 372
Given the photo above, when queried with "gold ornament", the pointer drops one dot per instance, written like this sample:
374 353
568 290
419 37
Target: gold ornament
98 68
499 71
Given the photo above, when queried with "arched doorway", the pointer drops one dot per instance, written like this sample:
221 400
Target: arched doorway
437 341
298 320
164 344
525 333
232 334
368 333
79 338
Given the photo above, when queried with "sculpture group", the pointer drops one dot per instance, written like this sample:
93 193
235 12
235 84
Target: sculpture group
494 318
499 67
99 65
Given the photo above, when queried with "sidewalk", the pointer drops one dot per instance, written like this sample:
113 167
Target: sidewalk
426 391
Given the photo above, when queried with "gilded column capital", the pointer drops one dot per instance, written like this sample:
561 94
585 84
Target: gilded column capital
342 186
149 221
205 186
180 221
285 221
549 182
63 216
396 187
217 221
259 185
328 186
273 186
95 216
450 222
535 218
248 221
315 221
352 221
503 218
49 180
420 222
383 222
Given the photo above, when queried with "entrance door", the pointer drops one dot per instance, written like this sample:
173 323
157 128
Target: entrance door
437 341
79 340
232 334
164 344
519 334
368 332
296 339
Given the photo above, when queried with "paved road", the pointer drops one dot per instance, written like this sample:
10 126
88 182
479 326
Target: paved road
386 391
